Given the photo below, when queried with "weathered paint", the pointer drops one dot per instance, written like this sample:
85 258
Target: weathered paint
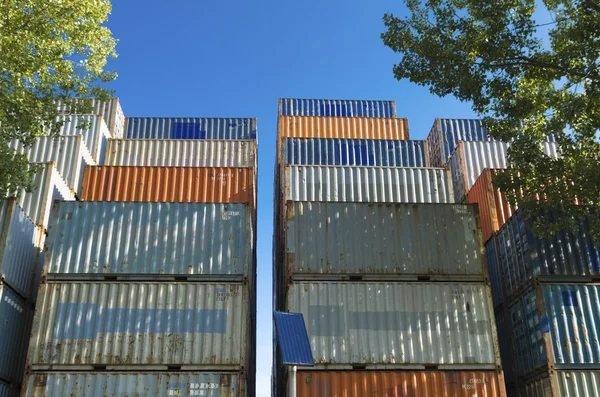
190 128
48 186
68 152
449 325
524 255
367 184
399 383
15 323
168 184
18 253
470 158
336 108
342 127
197 325
323 151
111 112
94 130
149 239
138 384
556 324
563 384
397 240
181 153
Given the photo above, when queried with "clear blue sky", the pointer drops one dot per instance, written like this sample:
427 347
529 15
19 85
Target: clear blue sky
236 58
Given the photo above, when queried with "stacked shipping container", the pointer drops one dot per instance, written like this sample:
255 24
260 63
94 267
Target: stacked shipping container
388 273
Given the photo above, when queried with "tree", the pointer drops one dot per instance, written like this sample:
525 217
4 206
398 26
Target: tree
527 80
49 50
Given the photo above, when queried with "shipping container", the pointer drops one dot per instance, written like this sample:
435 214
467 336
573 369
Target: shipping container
190 326
367 184
322 151
399 384
506 347
69 152
134 384
524 255
190 128
48 186
390 325
111 112
342 127
396 240
181 153
18 252
168 184
15 324
556 325
336 108
493 204
8 391
563 384
94 130
494 269
470 159
149 239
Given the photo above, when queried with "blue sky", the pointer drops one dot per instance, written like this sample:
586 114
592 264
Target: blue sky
236 58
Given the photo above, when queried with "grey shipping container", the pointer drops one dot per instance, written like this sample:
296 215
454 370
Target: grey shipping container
129 326
336 108
111 112
138 384
396 240
562 384
190 128
391 325
149 240
94 130
18 252
15 324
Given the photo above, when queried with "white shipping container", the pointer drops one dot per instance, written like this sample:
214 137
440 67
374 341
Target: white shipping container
94 130
111 112
390 325
80 325
181 153
367 184
563 383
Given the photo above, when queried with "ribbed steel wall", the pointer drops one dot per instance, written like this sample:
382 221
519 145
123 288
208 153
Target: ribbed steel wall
7 391
493 264
383 239
391 324
111 112
317 151
181 153
191 128
89 238
342 127
367 184
95 133
506 351
136 324
125 384
336 108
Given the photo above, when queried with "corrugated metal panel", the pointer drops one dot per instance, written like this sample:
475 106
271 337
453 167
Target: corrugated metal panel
392 239
181 153
343 127
48 187
336 108
493 264
578 383
149 239
367 184
538 387
7 391
130 384
69 152
196 325
191 128
523 255
15 324
95 134
111 112
397 384
18 253
391 324
470 159
317 151
505 343
168 184
292 339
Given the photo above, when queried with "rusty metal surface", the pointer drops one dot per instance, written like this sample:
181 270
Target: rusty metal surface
342 127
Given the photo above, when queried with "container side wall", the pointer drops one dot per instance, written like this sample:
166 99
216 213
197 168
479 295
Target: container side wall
506 350
454 130
336 108
343 127
111 112
493 263
94 131
190 128
435 152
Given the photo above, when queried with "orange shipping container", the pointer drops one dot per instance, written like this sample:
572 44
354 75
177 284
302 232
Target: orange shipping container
493 206
168 184
342 127
400 384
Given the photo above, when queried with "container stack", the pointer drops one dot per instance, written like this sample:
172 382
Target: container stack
24 221
388 273
149 281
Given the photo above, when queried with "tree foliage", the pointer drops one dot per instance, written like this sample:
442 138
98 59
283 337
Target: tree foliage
49 50
527 79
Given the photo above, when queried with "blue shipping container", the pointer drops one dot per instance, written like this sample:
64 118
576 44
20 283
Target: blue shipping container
493 264
336 108
505 345
385 153
190 128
